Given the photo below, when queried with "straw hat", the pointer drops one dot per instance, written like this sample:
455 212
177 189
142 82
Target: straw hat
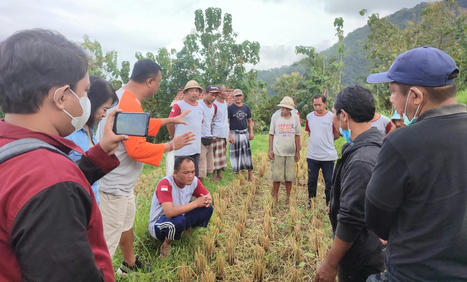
192 84
287 102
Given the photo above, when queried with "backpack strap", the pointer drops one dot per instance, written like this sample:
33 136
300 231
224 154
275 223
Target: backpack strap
25 145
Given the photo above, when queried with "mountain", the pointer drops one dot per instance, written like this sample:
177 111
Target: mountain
356 65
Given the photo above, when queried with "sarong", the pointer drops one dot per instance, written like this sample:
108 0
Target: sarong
240 152
219 153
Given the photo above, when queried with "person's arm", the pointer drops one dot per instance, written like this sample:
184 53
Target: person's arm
95 163
271 139
231 139
335 132
250 124
350 218
307 127
297 148
250 129
171 211
176 111
327 271
50 236
175 120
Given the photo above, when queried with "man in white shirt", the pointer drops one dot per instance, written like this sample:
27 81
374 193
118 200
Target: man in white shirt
220 131
321 151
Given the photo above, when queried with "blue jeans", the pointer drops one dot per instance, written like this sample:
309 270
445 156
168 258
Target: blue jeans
172 228
327 168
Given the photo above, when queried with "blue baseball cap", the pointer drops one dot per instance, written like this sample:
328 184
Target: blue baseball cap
423 66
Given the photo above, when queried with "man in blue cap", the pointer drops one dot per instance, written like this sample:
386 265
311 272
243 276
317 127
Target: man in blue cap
417 195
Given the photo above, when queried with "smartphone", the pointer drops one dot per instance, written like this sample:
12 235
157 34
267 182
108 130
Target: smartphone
133 124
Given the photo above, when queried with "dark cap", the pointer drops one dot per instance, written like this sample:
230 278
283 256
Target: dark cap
423 66
212 88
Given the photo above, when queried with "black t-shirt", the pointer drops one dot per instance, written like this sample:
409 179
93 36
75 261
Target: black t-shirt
239 116
417 197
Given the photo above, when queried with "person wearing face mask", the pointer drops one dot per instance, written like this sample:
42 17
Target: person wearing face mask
116 189
51 227
356 252
417 195
102 97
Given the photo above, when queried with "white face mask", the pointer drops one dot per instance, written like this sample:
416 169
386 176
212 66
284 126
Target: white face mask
85 103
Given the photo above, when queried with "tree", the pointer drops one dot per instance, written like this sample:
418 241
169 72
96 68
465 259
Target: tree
106 65
211 54
443 25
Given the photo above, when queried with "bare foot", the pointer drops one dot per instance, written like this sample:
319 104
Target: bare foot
165 248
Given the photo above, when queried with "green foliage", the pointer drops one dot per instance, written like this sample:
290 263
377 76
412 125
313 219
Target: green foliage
106 65
443 25
356 63
462 97
211 54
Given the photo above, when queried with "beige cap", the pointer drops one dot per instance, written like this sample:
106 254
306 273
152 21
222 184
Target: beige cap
192 84
287 102
237 92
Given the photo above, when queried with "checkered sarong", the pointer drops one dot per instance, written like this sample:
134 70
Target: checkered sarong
240 152
219 154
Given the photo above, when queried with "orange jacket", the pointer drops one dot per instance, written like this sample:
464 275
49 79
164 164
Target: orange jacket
137 147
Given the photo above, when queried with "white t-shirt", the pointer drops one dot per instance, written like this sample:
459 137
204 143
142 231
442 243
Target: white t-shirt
220 124
383 123
208 116
284 131
168 191
321 141
194 120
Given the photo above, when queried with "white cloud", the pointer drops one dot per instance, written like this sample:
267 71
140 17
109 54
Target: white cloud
147 25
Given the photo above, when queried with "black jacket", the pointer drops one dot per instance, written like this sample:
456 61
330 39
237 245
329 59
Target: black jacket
347 211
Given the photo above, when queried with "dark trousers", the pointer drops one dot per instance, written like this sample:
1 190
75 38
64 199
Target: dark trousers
195 159
327 168
173 227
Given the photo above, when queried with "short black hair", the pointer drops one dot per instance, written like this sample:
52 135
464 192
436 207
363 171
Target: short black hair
357 101
144 69
323 98
437 94
31 63
99 92
180 160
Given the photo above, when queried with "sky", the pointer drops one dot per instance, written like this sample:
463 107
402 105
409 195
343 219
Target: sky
144 25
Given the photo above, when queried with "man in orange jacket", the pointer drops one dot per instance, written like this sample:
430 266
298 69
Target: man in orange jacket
117 198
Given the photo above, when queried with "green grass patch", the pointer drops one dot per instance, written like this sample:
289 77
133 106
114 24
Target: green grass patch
462 97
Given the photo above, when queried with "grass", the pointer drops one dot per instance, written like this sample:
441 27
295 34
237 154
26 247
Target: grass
462 97
289 247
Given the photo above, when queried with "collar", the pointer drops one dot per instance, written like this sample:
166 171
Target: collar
14 132
125 90
443 111
320 115
370 137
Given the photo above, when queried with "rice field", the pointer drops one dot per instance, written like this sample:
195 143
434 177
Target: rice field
249 237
